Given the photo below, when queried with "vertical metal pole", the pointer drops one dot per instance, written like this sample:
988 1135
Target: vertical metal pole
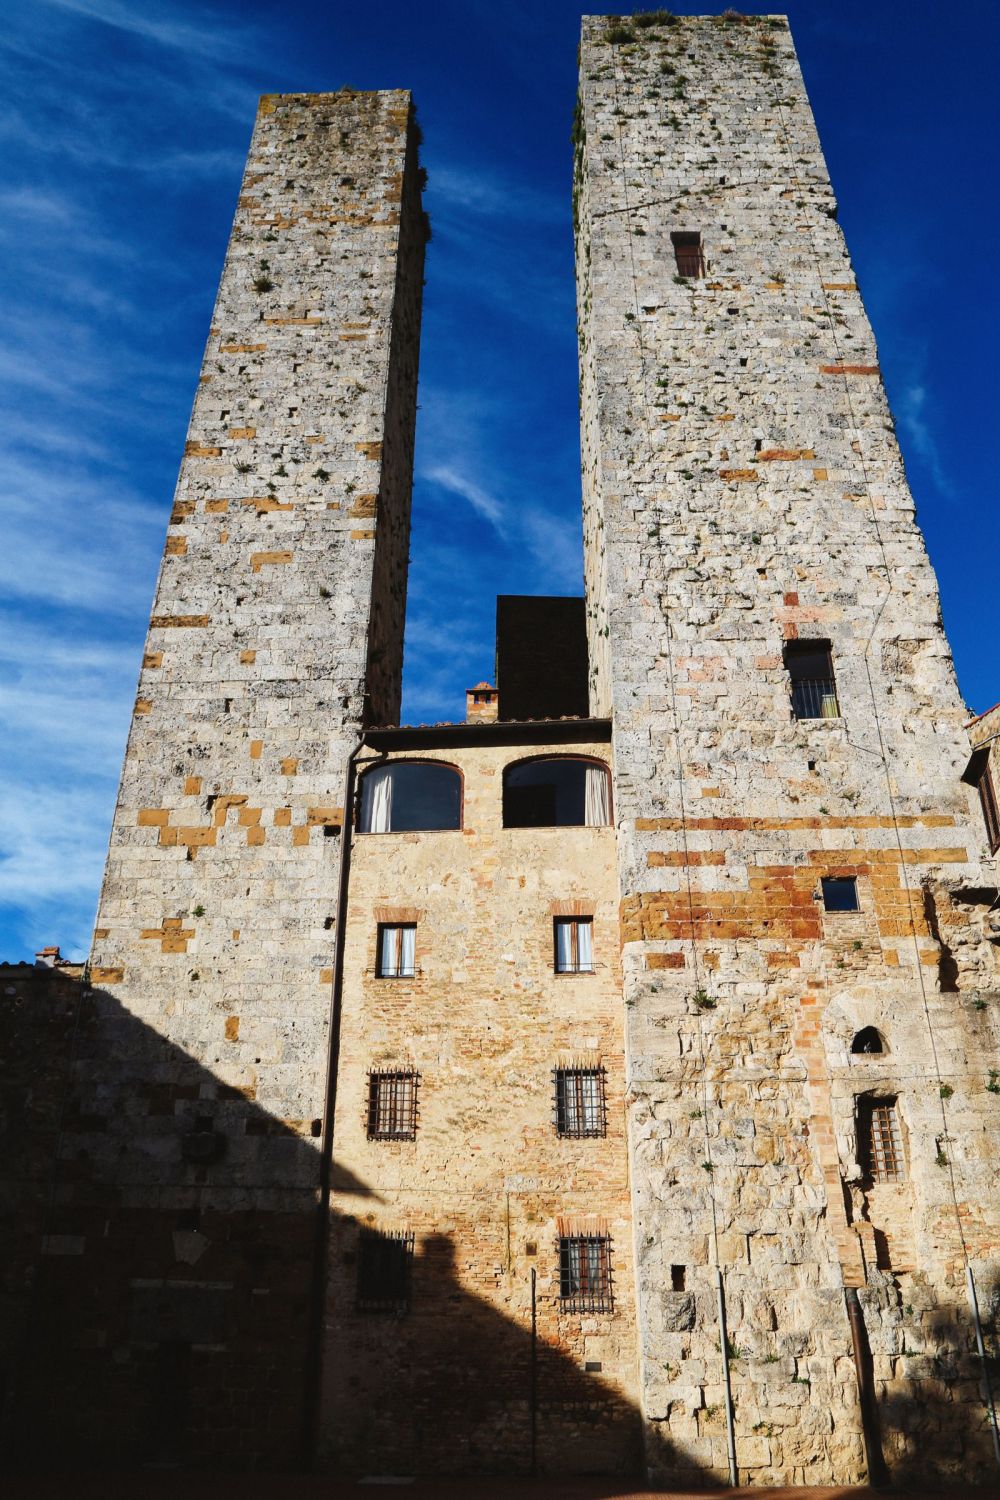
724 1346
991 1406
534 1377
878 1475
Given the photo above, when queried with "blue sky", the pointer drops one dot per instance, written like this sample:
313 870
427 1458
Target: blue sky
123 127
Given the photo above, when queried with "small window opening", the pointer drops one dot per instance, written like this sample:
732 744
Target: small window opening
392 1104
585 1273
677 1278
840 893
880 1144
580 1102
574 945
868 1042
410 796
397 947
814 689
384 1262
688 252
978 774
556 793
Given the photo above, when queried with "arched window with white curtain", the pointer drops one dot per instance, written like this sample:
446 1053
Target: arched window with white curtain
408 796
558 791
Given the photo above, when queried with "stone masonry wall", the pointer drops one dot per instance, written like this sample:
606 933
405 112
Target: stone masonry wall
200 1087
743 489
447 1387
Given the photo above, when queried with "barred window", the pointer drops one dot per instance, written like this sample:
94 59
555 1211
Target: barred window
809 664
688 252
574 945
880 1144
392 1104
397 946
585 1273
580 1103
384 1262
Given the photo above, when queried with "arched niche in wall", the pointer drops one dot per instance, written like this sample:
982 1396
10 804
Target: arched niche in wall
868 1042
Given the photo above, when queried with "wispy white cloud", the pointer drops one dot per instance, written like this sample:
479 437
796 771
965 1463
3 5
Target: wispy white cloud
165 30
481 192
457 483
912 412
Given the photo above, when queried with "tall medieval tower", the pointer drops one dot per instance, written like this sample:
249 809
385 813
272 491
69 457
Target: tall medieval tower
803 881
664 1099
276 635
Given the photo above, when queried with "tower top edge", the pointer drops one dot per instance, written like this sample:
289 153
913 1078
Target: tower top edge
676 18
395 97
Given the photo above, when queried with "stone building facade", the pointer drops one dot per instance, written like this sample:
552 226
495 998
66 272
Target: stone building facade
629 1100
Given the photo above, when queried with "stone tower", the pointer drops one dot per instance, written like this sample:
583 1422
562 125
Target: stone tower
276 634
803 873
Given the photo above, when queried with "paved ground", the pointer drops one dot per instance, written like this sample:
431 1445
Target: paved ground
175 1485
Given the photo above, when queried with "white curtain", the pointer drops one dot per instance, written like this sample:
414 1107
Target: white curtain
407 950
564 947
376 801
389 957
585 951
597 804
590 1098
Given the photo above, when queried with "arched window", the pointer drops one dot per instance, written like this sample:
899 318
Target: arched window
556 792
405 796
869 1041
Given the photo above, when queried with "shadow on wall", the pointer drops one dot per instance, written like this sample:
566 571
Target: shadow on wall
456 1387
930 1382
157 1293
158 1282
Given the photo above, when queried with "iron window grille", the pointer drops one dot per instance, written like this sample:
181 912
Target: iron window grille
385 1260
581 1108
392 1104
688 253
585 1273
880 1140
573 945
396 958
814 688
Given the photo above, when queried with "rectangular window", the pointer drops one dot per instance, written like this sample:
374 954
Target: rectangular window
978 774
688 253
840 893
574 947
384 1261
880 1145
392 1104
396 951
988 802
580 1105
585 1273
814 689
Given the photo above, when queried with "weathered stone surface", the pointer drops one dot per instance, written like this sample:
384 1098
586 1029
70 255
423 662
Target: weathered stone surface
276 633
743 489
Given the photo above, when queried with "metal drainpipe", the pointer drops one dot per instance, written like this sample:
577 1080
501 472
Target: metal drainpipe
317 1294
720 1292
878 1474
